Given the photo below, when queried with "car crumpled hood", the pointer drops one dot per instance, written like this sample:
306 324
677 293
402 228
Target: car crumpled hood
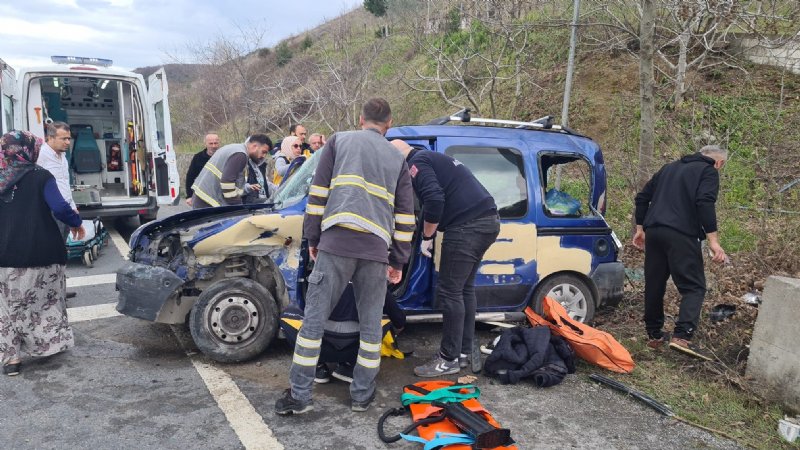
256 235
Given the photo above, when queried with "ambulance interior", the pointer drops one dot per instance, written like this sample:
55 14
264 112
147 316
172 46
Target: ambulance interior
108 155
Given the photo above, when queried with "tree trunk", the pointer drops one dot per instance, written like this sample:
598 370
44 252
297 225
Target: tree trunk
680 75
646 91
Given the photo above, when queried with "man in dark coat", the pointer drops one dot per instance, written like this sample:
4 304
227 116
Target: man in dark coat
675 211
198 161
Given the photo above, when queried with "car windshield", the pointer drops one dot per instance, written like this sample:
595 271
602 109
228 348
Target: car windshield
296 187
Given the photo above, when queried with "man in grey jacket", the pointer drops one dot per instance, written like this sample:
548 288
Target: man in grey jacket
359 223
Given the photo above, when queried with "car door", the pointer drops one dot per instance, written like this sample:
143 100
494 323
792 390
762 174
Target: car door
167 181
8 83
506 276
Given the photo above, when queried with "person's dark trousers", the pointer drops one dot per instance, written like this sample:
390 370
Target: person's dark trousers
463 247
670 252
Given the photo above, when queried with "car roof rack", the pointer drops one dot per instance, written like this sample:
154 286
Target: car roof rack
542 123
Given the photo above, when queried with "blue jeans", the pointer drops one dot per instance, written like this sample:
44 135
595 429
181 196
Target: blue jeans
326 283
463 247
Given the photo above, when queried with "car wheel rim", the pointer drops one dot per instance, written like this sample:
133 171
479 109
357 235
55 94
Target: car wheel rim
571 298
233 319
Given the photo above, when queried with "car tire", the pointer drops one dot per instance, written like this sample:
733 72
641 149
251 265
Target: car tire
571 291
234 320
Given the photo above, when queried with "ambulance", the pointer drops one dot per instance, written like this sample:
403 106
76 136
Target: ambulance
122 161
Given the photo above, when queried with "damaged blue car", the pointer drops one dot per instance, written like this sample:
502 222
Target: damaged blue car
229 271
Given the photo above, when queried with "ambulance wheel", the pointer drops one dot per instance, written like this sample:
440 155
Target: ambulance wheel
234 320
95 251
87 259
571 291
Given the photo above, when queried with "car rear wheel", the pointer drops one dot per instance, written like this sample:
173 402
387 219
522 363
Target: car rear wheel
571 292
234 320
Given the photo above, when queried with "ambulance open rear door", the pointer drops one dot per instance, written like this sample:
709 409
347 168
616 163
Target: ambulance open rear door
162 152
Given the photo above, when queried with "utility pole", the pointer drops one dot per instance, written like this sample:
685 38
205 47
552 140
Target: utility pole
573 41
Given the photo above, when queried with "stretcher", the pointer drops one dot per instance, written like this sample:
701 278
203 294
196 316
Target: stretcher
447 415
88 249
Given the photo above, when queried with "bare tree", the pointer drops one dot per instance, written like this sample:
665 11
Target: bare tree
469 65
647 92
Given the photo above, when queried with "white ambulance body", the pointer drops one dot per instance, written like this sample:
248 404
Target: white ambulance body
122 162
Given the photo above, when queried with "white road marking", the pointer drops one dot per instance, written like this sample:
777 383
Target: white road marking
91 280
119 242
84 313
246 422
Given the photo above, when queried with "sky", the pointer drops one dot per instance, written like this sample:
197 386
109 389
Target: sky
138 33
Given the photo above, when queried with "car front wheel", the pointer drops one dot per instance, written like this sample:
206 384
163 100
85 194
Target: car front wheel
234 320
571 292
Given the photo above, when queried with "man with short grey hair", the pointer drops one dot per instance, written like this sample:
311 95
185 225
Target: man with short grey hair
675 211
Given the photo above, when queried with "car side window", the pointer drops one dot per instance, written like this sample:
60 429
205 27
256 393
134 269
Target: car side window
566 184
502 173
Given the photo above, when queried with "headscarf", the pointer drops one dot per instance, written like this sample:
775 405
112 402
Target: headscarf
18 153
286 147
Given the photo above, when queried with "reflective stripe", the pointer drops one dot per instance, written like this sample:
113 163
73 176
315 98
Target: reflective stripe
404 219
347 214
366 362
366 346
318 191
228 186
232 194
403 236
213 169
358 181
315 210
304 361
309 343
204 197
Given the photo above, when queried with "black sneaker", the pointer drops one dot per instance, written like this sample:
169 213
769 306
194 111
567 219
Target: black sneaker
689 348
463 361
344 372
438 366
362 406
323 374
288 405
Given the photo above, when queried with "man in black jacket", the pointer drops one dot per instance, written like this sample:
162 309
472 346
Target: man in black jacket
198 161
675 211
455 202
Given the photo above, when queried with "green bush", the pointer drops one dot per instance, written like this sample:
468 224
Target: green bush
283 54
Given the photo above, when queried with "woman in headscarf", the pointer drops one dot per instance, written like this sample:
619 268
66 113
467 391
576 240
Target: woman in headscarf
33 313
291 148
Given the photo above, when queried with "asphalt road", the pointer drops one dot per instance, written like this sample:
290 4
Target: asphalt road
134 384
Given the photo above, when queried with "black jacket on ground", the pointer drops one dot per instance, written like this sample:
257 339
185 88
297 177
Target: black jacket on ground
449 192
681 196
198 161
531 353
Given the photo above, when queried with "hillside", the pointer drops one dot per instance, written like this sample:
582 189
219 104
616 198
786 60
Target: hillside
177 74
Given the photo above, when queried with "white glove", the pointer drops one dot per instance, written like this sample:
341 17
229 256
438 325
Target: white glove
425 247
